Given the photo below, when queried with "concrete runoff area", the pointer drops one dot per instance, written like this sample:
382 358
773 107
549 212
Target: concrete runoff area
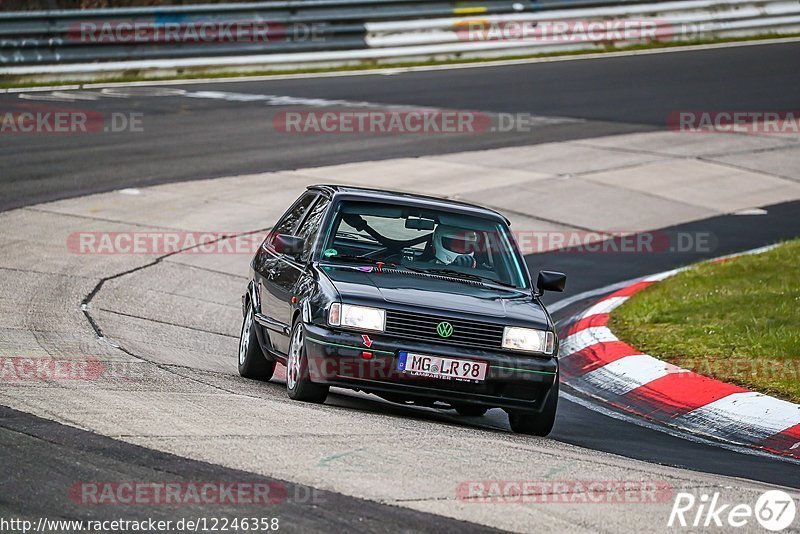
175 387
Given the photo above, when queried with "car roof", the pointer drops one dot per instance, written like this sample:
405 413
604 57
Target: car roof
365 193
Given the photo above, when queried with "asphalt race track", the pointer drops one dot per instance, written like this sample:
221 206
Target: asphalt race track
54 455
201 131
194 138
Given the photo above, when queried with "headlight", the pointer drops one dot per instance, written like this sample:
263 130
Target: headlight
359 317
527 339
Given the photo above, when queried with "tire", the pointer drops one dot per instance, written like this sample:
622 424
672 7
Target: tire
471 410
536 424
252 362
298 383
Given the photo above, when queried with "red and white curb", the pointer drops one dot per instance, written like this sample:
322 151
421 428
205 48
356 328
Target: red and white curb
596 363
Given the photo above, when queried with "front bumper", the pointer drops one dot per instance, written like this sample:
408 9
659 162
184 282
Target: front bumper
513 381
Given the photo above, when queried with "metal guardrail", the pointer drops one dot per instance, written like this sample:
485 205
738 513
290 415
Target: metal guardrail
672 20
348 31
66 36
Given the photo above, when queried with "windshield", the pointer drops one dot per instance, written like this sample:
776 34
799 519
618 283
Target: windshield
424 240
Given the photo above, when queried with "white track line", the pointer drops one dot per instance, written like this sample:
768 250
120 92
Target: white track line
420 68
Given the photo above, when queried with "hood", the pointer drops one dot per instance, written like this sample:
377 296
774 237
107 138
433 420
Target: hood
409 291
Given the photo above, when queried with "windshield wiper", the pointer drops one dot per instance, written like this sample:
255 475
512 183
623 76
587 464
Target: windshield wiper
354 258
469 276
455 274
476 277
372 261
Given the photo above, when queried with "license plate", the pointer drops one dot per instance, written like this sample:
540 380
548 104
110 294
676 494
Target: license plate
439 367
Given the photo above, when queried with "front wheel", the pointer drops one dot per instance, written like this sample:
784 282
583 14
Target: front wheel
252 363
298 383
536 424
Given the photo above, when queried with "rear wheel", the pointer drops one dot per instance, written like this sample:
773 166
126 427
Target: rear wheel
471 410
252 363
298 383
536 424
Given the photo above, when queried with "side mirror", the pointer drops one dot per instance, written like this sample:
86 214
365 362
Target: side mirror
288 244
551 281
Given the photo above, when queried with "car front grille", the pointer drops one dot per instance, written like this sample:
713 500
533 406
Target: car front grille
424 327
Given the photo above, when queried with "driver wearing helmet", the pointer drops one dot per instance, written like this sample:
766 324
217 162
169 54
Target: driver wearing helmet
455 246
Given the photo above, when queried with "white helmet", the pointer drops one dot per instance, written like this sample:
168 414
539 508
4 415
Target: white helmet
450 242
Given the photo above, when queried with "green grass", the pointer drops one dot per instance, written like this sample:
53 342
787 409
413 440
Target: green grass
737 321
24 81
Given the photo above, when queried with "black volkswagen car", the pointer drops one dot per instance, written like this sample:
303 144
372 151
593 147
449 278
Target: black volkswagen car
416 299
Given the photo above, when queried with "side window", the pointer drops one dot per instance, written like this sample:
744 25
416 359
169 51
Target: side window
310 227
290 219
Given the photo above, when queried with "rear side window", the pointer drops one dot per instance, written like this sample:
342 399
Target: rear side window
287 223
310 227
